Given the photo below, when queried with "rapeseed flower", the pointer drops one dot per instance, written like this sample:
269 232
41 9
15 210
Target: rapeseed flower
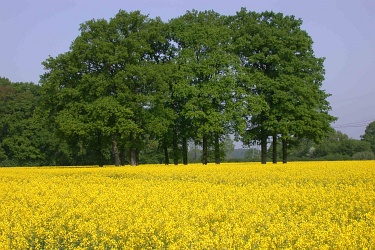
324 205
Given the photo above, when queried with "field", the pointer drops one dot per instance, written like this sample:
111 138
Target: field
305 205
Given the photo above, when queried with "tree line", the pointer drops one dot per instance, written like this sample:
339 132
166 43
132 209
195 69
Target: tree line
28 139
135 81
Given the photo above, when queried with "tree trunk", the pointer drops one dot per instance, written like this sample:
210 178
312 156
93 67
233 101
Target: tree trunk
274 148
217 149
100 153
175 147
123 156
285 150
133 157
133 150
195 151
184 151
137 156
166 155
115 150
263 149
205 151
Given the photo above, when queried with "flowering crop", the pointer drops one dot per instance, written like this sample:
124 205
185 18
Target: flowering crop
324 205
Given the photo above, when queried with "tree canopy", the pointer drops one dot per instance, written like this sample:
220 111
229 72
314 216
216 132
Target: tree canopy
132 81
287 76
109 87
369 135
25 137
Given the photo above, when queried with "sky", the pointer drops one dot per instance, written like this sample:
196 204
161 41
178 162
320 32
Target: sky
343 32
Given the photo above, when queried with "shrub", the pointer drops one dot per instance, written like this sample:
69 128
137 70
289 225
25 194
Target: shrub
365 155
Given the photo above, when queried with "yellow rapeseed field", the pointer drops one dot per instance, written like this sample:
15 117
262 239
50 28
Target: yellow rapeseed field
299 205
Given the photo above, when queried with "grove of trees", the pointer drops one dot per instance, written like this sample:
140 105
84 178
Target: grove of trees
134 89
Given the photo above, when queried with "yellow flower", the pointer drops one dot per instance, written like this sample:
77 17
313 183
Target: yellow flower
324 205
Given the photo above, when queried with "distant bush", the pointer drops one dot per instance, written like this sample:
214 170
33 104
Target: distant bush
335 157
365 155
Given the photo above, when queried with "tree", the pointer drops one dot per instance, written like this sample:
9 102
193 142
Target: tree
17 104
134 84
227 147
275 49
334 146
109 86
365 155
207 76
369 135
252 154
350 147
25 138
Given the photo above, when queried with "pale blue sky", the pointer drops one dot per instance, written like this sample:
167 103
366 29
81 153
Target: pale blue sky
343 32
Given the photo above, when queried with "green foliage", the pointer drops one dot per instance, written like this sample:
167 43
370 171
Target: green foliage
252 154
369 135
287 76
25 138
226 150
365 155
133 84
207 69
351 146
335 146
109 83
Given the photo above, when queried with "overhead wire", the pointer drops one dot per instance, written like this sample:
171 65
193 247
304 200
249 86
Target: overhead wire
356 124
353 98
